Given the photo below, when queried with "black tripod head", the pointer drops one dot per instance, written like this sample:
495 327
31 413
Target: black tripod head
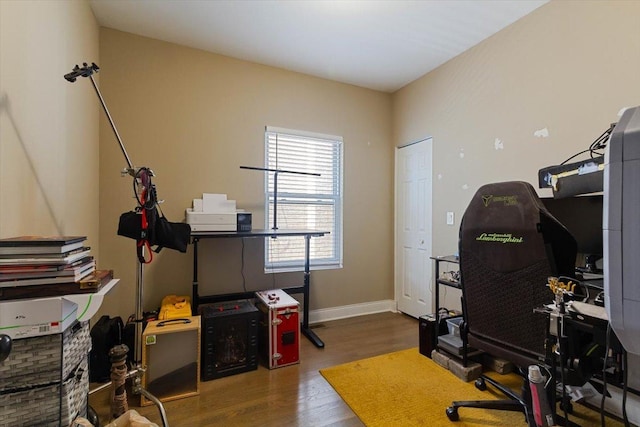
85 71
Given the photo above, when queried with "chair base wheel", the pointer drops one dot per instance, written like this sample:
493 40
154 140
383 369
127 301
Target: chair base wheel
481 384
452 413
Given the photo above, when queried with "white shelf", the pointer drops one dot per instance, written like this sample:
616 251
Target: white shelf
88 304
23 318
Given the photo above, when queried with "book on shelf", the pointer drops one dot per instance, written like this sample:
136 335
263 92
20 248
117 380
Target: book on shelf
97 280
76 277
31 245
49 255
9 269
59 259
90 284
36 271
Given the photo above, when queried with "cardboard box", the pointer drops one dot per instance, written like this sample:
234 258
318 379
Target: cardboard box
280 330
35 317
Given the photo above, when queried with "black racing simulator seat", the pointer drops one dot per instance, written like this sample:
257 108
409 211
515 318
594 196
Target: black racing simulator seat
509 245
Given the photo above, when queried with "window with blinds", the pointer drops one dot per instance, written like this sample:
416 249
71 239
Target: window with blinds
304 201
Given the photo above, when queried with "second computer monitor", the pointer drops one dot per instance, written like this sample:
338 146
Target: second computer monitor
582 216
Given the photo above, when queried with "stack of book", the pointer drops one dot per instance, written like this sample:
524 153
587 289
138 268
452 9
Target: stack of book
42 266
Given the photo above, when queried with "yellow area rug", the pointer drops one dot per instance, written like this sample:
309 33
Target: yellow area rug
407 389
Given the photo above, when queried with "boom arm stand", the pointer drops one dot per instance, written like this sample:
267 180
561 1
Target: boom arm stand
136 371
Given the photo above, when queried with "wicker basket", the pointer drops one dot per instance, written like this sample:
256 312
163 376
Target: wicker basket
45 359
38 406
51 405
75 394
45 379
76 345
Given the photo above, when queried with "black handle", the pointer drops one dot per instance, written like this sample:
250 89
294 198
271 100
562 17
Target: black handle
5 347
170 321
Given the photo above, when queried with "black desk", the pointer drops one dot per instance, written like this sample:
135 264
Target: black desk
580 338
304 289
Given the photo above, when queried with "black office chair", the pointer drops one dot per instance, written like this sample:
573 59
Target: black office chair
509 245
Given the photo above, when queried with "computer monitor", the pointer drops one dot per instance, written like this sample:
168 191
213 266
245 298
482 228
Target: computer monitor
582 216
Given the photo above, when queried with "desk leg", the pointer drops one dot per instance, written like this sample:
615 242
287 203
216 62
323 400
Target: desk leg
306 331
194 289
437 288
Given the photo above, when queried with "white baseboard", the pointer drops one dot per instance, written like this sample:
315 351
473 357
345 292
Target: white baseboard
345 311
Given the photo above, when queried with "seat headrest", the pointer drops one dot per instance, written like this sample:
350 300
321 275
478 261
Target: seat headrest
502 226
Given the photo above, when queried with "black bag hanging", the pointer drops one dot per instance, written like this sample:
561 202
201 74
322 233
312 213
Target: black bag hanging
148 225
167 234
130 224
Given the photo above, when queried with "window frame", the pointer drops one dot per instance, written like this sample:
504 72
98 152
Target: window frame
335 199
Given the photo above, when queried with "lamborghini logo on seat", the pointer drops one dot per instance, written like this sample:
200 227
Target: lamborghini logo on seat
506 200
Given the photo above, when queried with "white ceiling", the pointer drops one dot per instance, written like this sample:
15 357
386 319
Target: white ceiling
377 44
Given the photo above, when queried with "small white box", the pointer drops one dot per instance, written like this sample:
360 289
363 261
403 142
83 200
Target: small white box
197 205
35 317
217 203
453 324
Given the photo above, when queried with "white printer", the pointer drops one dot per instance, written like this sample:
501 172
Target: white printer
213 213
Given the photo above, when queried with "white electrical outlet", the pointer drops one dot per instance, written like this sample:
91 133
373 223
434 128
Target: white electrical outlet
450 218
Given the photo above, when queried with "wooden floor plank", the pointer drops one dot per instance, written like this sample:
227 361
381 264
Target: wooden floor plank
295 395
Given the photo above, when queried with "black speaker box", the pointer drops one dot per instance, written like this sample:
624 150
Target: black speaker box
428 334
229 339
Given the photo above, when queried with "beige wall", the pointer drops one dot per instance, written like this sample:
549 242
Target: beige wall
194 118
568 67
48 127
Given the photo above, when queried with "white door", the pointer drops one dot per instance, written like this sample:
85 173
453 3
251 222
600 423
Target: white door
413 268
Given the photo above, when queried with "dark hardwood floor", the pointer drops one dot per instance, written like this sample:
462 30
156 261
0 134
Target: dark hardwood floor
295 395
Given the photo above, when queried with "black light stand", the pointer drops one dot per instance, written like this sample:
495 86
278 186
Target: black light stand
136 371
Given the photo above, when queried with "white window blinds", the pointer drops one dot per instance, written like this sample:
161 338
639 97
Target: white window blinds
304 202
